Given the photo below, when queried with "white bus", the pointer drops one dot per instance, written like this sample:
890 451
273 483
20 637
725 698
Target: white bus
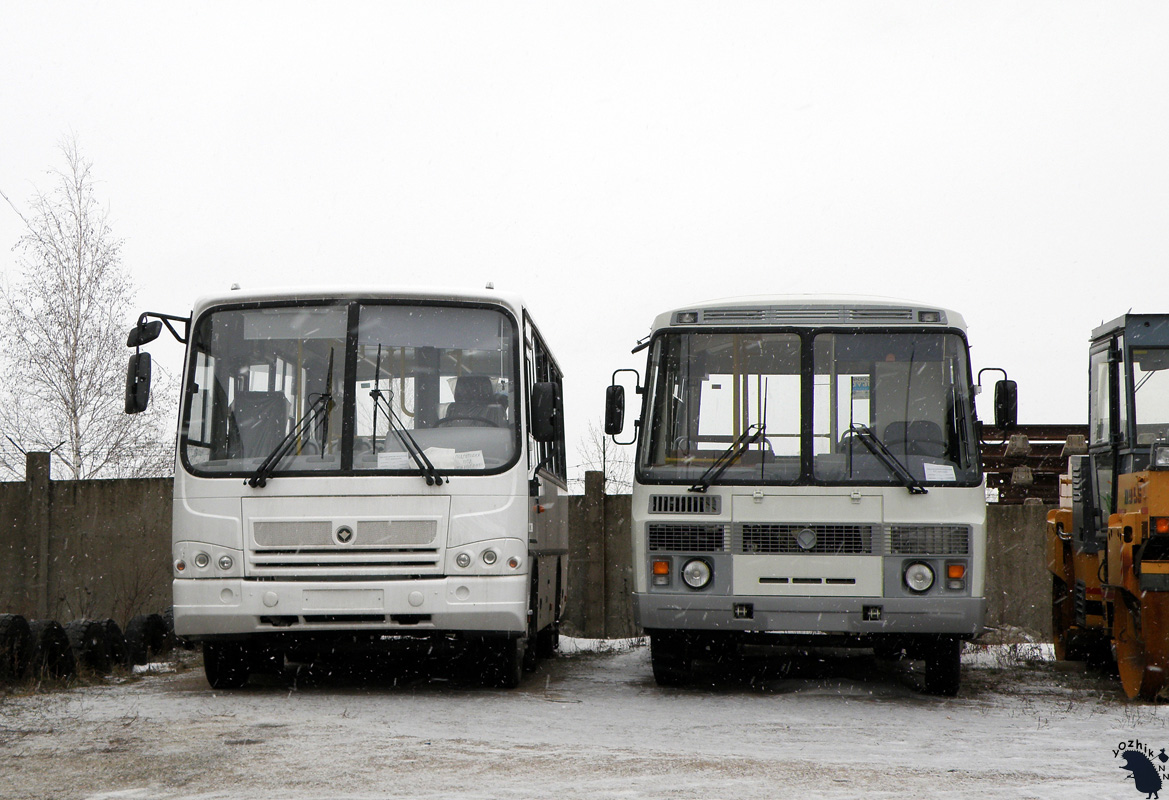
357 466
807 471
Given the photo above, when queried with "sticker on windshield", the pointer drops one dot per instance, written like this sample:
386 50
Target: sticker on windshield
939 472
393 461
472 459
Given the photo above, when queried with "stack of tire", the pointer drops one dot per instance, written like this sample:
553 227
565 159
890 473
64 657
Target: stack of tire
46 649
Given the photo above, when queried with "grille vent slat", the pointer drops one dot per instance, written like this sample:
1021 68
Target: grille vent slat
921 540
875 314
779 315
667 537
780 539
685 504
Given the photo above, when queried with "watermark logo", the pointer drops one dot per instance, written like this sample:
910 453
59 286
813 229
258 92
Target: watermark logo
1146 769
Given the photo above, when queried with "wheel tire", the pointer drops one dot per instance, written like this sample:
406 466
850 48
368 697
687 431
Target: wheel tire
87 637
503 660
227 665
943 666
548 641
1139 629
672 658
52 656
146 636
15 647
1067 639
116 644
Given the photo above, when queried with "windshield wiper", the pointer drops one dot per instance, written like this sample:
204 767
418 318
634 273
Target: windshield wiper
729 456
319 408
886 457
409 443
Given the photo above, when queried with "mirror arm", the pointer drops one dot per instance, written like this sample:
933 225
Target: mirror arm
167 319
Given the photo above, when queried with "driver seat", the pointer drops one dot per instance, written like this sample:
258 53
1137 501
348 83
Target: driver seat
475 399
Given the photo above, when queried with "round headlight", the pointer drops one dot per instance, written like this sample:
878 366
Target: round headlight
202 560
919 577
225 562
463 560
490 557
696 573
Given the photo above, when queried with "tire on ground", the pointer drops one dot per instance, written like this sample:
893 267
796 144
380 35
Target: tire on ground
15 647
116 644
90 646
52 656
146 637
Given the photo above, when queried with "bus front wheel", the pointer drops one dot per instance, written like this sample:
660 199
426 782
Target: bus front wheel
503 661
943 666
226 664
670 654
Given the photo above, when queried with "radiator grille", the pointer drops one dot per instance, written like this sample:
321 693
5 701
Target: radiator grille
922 540
397 532
686 538
785 538
369 533
293 533
308 549
685 504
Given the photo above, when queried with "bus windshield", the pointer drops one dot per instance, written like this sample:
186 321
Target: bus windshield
910 391
351 387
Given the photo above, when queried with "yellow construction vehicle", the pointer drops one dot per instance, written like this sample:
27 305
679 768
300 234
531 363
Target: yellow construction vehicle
1108 542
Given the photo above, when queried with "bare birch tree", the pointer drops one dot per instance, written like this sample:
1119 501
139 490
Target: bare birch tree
598 453
63 323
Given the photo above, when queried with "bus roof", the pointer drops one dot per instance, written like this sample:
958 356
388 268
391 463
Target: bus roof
807 310
285 294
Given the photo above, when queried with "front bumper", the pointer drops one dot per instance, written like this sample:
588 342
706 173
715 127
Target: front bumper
960 616
214 607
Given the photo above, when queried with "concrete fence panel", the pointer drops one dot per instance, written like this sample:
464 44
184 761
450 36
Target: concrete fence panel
101 549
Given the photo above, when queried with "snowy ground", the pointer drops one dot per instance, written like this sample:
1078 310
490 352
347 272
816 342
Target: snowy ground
589 724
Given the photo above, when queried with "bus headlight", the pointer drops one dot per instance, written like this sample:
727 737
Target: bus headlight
919 577
490 557
463 560
696 573
202 560
225 562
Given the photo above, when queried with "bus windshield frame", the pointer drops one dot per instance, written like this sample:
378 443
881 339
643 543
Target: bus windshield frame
817 393
351 386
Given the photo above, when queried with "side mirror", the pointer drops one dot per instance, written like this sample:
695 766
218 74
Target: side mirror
614 410
138 383
545 411
1006 403
143 333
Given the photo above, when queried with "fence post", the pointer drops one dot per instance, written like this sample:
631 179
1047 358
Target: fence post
37 489
596 561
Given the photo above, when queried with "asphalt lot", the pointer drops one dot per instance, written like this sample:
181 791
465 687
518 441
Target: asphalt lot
587 724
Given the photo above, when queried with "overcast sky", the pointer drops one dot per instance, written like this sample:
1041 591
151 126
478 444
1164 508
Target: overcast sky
611 160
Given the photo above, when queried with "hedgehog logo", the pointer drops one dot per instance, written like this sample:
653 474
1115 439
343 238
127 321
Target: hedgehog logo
1143 773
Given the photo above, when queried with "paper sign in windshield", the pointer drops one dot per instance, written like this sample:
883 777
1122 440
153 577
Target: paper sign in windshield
393 461
940 472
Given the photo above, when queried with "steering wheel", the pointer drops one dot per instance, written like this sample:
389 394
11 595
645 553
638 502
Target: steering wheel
459 418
